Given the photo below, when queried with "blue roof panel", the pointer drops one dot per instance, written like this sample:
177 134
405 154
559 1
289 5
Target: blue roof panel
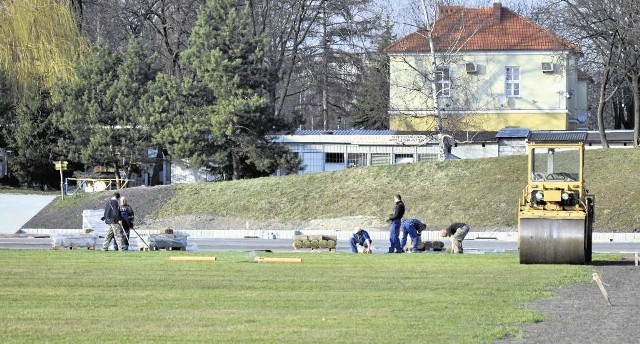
557 136
513 133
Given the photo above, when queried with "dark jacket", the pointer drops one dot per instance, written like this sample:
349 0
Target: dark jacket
112 212
398 212
127 214
451 230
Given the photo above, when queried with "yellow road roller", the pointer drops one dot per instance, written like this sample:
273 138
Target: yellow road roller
555 215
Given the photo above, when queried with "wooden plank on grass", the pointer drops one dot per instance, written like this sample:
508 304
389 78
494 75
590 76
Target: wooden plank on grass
278 260
601 286
200 259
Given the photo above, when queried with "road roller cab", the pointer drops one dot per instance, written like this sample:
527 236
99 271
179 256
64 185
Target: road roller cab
555 214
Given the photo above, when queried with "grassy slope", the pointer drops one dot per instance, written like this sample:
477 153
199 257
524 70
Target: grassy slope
90 296
482 192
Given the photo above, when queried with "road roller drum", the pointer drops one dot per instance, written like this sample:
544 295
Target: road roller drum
552 241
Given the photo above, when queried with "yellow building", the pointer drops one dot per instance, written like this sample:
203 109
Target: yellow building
493 69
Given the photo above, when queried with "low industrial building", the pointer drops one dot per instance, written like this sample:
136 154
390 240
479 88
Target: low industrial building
336 150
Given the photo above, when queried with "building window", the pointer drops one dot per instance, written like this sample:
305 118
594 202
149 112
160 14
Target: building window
443 81
512 85
403 158
428 157
357 159
334 158
378 159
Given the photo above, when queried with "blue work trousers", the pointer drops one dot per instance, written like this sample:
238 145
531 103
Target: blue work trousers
410 231
394 237
355 242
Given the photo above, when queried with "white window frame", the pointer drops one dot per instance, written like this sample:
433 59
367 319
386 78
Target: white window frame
443 81
512 84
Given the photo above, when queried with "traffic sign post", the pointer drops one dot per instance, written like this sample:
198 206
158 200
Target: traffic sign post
61 166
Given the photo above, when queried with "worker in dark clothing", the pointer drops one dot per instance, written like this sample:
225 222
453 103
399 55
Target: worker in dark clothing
394 230
360 238
113 219
457 232
127 215
412 228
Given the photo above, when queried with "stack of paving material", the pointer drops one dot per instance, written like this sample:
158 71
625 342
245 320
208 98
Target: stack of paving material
166 240
73 241
315 242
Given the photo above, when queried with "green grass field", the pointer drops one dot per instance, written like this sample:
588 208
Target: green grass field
135 297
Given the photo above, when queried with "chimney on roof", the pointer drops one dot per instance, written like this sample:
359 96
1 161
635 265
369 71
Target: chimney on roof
497 12
446 9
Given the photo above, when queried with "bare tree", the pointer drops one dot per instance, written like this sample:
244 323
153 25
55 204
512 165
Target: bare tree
433 78
611 34
287 23
333 57
164 25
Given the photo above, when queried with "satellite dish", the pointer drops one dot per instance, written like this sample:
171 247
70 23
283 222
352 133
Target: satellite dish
582 117
502 100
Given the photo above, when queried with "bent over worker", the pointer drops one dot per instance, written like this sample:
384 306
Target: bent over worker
360 238
412 228
457 232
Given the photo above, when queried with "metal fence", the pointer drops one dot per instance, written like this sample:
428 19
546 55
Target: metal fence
73 185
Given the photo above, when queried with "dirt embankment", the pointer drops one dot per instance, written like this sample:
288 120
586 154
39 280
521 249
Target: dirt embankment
147 200
144 200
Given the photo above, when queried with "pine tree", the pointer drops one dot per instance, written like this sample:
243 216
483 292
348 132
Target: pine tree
101 113
227 63
31 136
6 107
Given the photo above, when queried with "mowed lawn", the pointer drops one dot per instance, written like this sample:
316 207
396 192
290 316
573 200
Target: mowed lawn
136 297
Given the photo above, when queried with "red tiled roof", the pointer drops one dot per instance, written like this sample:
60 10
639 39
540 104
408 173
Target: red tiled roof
479 29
